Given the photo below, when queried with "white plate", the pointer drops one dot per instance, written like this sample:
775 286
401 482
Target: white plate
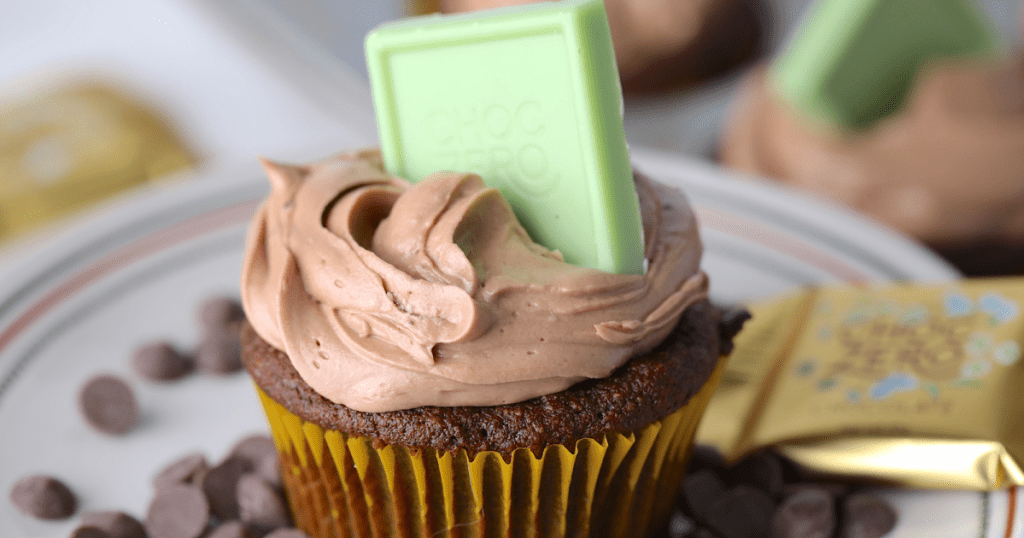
81 303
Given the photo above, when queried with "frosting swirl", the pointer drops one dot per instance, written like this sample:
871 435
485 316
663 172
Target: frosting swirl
945 169
387 296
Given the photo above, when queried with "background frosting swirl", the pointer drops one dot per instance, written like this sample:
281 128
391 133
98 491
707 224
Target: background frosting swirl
387 296
946 168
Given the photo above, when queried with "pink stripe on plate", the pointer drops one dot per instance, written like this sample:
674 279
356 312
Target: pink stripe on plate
778 241
132 252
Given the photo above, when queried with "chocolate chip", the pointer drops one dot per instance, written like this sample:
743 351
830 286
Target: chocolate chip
700 490
808 513
43 497
269 469
706 457
220 486
260 505
253 448
88 531
159 361
809 507
188 469
177 512
743 512
217 313
108 404
259 452
762 470
680 526
287 533
231 529
866 516
115 524
219 352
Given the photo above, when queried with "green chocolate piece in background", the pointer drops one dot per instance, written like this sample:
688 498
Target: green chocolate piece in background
852 62
529 98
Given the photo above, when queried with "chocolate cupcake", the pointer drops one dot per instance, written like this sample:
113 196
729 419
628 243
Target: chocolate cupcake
428 370
944 169
664 45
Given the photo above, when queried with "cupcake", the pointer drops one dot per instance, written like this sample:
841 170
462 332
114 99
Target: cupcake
428 370
667 44
945 168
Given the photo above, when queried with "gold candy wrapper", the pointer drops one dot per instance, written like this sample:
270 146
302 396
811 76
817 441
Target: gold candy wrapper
916 385
63 150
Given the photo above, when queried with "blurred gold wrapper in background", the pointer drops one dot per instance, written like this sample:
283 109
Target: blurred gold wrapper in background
422 7
63 150
916 385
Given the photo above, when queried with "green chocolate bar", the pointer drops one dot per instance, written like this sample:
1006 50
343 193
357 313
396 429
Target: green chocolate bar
529 98
852 62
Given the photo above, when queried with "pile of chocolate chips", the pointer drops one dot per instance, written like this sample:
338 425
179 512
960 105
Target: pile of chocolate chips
765 495
219 319
107 402
240 497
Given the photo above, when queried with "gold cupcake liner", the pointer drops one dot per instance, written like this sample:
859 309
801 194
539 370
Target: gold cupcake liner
340 485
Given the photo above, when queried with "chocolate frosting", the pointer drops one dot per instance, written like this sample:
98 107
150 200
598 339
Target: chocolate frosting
648 387
946 169
388 296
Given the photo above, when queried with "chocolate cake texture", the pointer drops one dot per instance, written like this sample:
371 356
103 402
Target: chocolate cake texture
648 388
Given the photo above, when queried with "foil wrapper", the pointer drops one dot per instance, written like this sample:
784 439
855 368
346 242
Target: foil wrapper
63 150
913 385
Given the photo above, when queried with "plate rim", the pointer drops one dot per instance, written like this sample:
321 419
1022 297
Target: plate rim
170 205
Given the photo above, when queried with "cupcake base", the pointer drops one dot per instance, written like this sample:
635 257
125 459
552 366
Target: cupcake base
615 485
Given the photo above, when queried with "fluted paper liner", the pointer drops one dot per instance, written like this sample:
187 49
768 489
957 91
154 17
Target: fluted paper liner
621 484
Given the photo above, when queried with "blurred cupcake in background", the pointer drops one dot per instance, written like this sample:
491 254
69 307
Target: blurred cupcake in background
939 158
664 45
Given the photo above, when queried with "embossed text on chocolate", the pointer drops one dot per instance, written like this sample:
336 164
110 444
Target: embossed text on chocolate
498 141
